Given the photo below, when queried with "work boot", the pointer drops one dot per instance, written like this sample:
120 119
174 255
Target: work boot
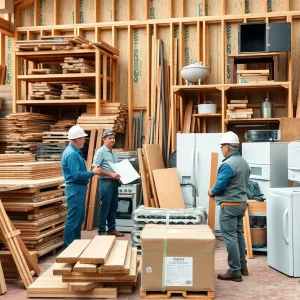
116 233
102 233
229 276
244 271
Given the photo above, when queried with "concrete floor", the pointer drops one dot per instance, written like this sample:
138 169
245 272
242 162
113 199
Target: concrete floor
262 283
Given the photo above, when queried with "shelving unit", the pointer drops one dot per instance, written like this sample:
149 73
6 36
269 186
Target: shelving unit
106 71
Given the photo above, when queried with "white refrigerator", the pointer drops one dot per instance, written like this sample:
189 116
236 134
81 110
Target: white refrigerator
193 166
283 230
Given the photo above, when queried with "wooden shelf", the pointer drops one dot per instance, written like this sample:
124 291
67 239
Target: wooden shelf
206 115
56 77
209 88
253 120
55 102
258 86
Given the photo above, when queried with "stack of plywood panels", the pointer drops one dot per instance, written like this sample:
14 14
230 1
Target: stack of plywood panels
30 170
16 158
100 268
4 132
26 131
39 214
113 116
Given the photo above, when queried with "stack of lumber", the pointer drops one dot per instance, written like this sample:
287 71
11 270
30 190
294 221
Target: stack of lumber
44 90
30 170
76 91
77 65
252 76
98 268
26 130
54 143
39 214
59 42
3 69
63 125
4 132
237 109
161 186
108 48
15 158
113 116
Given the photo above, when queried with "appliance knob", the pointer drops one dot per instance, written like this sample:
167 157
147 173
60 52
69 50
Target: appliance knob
129 190
125 190
120 190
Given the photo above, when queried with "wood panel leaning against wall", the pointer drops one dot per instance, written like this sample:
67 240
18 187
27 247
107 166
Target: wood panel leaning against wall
201 30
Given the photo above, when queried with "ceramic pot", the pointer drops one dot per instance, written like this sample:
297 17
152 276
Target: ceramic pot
207 108
194 73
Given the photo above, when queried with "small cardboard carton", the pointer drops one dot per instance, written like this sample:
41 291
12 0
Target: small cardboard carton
177 258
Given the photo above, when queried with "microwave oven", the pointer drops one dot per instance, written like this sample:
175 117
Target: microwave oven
258 171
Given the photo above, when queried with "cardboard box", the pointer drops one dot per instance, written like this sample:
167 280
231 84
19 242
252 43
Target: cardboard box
177 257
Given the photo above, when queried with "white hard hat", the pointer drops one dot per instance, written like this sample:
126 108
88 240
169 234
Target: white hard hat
229 137
76 132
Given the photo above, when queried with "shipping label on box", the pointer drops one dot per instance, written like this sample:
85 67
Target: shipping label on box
178 271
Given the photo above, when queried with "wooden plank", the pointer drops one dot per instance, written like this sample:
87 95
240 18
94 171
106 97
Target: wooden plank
98 250
212 200
117 256
289 129
51 286
168 188
3 288
71 254
298 104
62 268
143 174
85 268
247 234
84 286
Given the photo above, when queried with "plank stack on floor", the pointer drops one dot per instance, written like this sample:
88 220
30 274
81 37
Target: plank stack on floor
39 214
113 116
26 130
98 268
76 91
44 90
4 132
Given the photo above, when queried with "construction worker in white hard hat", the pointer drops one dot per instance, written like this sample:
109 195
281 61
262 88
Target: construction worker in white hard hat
230 191
76 179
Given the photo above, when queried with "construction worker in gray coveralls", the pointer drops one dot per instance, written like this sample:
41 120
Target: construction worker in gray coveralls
108 186
76 179
230 191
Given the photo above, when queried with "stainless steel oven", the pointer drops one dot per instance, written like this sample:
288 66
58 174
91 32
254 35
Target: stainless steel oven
129 197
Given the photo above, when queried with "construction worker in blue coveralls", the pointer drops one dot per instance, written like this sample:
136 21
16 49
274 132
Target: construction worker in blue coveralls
76 179
230 191
108 186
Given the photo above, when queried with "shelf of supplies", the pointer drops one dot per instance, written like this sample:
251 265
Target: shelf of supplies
56 77
55 102
207 115
253 120
258 86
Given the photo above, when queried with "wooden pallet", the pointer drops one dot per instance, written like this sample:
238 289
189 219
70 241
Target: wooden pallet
183 294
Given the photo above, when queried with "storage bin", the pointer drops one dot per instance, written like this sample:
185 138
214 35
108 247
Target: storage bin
258 237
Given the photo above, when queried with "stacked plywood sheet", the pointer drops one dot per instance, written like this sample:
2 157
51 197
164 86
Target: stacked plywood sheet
252 76
76 91
77 65
4 132
26 131
113 116
237 109
30 170
100 268
39 214
44 90
62 125
59 42
15 158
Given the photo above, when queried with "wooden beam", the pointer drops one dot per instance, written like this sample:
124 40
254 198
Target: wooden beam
212 200
37 13
98 82
170 7
56 15
97 11
24 4
76 12
3 288
129 10
130 84
147 8
148 70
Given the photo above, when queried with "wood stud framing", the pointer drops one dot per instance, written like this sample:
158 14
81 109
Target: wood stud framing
173 17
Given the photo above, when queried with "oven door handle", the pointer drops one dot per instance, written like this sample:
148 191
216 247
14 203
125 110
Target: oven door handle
125 196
